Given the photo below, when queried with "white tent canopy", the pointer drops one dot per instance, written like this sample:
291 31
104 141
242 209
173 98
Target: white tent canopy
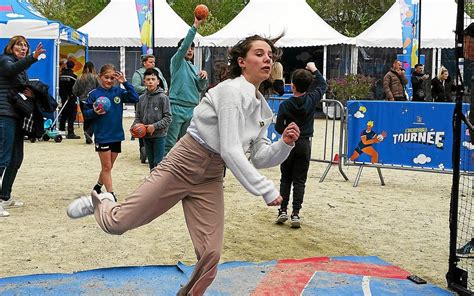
438 22
302 26
117 25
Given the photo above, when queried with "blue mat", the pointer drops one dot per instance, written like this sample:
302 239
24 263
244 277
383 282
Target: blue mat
311 276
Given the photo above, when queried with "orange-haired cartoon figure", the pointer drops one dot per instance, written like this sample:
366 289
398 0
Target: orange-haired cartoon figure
367 139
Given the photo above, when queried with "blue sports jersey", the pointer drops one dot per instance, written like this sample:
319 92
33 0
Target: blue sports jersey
108 127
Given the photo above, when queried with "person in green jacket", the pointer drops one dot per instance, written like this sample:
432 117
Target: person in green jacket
148 62
187 83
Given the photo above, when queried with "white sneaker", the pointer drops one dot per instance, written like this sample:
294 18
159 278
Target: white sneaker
11 203
80 207
3 213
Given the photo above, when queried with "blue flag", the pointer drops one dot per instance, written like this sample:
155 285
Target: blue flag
145 23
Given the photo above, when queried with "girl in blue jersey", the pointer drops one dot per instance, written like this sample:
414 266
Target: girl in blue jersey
108 129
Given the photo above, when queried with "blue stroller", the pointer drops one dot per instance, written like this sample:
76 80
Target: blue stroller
50 128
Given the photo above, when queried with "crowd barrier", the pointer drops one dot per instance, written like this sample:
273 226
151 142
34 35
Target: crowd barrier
331 142
414 136
407 135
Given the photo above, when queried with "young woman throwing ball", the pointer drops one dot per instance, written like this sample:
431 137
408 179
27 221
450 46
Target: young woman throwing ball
231 120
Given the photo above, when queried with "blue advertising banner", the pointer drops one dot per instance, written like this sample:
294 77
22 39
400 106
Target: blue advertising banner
274 104
44 69
145 23
410 20
413 134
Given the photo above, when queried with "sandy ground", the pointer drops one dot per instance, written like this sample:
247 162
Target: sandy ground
404 222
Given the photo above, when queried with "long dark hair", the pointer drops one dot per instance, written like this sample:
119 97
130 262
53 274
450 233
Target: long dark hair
241 49
89 68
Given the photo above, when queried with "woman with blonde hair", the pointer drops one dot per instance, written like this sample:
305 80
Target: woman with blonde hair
277 76
442 86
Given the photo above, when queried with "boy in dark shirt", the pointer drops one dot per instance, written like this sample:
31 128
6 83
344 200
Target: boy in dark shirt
299 108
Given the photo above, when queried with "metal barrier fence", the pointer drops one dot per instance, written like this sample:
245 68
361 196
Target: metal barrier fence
337 144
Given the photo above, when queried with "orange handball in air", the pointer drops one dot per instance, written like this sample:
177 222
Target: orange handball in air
201 11
138 130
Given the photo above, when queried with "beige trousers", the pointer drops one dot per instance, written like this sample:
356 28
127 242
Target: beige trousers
193 175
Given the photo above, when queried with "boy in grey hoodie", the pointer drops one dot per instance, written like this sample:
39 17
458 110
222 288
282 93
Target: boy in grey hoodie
153 110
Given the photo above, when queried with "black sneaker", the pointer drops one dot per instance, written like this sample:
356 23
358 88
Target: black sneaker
282 216
88 138
295 220
73 136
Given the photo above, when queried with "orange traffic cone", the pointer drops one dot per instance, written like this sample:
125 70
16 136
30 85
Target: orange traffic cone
336 158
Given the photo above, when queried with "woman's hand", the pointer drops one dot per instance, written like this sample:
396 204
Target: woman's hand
28 92
276 202
39 50
291 133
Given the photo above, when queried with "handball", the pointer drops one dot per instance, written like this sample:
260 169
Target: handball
102 103
380 138
201 11
138 130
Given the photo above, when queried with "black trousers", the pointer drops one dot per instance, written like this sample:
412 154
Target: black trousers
294 171
88 128
68 114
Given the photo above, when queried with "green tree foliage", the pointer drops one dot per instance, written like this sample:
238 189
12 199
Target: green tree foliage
350 87
221 12
469 8
70 12
350 17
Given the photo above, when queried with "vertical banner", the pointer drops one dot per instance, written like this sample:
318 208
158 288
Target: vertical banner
410 22
145 23
412 134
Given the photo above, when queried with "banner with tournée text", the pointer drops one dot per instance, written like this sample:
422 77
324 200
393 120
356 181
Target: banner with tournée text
413 134
145 23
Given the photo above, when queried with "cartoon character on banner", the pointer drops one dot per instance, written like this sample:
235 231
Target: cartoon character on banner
146 30
367 139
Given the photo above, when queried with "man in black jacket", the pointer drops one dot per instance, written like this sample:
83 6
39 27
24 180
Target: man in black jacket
418 83
69 100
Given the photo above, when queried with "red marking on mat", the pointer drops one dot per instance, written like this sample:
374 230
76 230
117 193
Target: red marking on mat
289 277
6 8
